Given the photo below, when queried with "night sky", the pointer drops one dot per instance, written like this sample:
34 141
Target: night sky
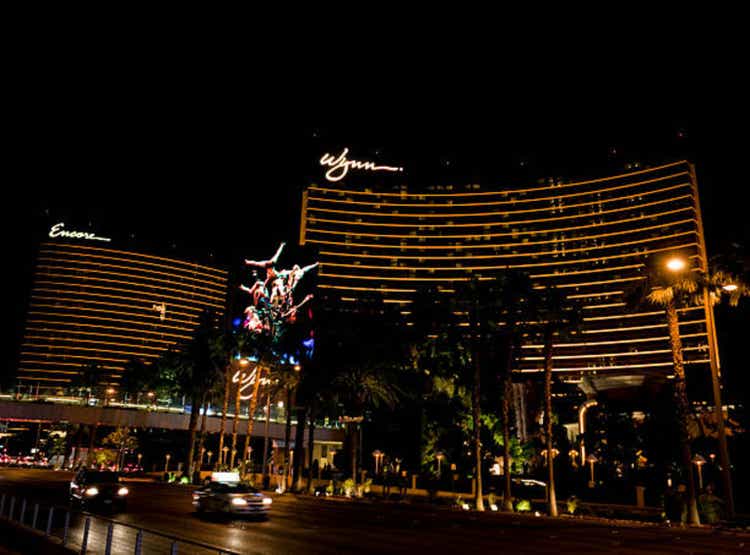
220 179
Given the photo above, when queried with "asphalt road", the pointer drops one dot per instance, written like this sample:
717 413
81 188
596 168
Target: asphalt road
308 525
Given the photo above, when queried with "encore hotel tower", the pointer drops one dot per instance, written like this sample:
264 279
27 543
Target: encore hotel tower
93 304
591 239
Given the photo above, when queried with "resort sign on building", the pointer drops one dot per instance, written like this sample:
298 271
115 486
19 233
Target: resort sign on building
339 165
58 230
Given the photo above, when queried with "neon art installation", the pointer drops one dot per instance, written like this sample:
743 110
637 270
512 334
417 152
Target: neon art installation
273 307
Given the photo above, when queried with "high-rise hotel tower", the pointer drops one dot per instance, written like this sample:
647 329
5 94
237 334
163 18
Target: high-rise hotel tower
589 238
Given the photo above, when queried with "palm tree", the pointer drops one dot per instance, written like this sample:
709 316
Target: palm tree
666 286
515 295
252 406
86 381
557 317
357 389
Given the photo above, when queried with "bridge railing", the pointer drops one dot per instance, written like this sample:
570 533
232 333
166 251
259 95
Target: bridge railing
89 533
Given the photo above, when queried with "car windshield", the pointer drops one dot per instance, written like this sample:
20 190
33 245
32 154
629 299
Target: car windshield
102 477
233 488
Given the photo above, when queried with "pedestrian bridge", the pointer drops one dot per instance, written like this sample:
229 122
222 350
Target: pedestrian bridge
168 419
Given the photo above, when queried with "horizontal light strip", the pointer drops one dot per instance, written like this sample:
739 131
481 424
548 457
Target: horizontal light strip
70 330
389 278
487 214
76 364
60 308
149 310
510 191
76 349
102 318
384 290
48 371
157 297
631 328
591 271
194 307
613 342
47 355
134 274
220 283
620 354
513 201
191 266
83 281
638 314
68 325
29 340
610 305
602 294
608 368
37 379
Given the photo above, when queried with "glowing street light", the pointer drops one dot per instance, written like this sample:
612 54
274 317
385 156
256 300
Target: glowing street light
378 456
440 456
203 452
166 462
210 454
676 264
224 451
699 461
140 456
592 460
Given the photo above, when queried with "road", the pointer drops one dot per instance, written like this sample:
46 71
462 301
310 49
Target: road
309 525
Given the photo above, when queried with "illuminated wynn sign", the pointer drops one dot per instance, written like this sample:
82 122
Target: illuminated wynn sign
58 230
340 165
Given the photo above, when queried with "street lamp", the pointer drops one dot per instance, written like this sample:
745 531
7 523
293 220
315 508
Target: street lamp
166 462
699 461
224 455
592 460
203 452
140 456
676 264
210 454
440 456
378 456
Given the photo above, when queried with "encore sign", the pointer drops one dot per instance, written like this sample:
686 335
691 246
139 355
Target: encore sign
58 230
339 166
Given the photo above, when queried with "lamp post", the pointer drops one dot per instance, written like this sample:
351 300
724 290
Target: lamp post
699 461
140 456
440 456
592 460
203 452
713 351
166 462
234 454
378 456
224 451
210 454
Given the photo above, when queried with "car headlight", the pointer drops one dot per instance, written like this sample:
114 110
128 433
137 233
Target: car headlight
238 501
267 500
123 491
91 492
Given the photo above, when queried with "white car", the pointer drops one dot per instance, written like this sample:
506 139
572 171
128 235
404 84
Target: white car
233 498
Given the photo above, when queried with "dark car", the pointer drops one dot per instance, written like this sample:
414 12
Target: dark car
231 498
98 489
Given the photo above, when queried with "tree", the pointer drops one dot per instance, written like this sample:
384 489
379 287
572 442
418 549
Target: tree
86 381
557 317
666 288
123 440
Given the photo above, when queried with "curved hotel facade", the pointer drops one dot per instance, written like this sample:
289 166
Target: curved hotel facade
591 239
98 305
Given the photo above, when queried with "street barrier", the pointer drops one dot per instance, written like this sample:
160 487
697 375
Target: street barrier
83 531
